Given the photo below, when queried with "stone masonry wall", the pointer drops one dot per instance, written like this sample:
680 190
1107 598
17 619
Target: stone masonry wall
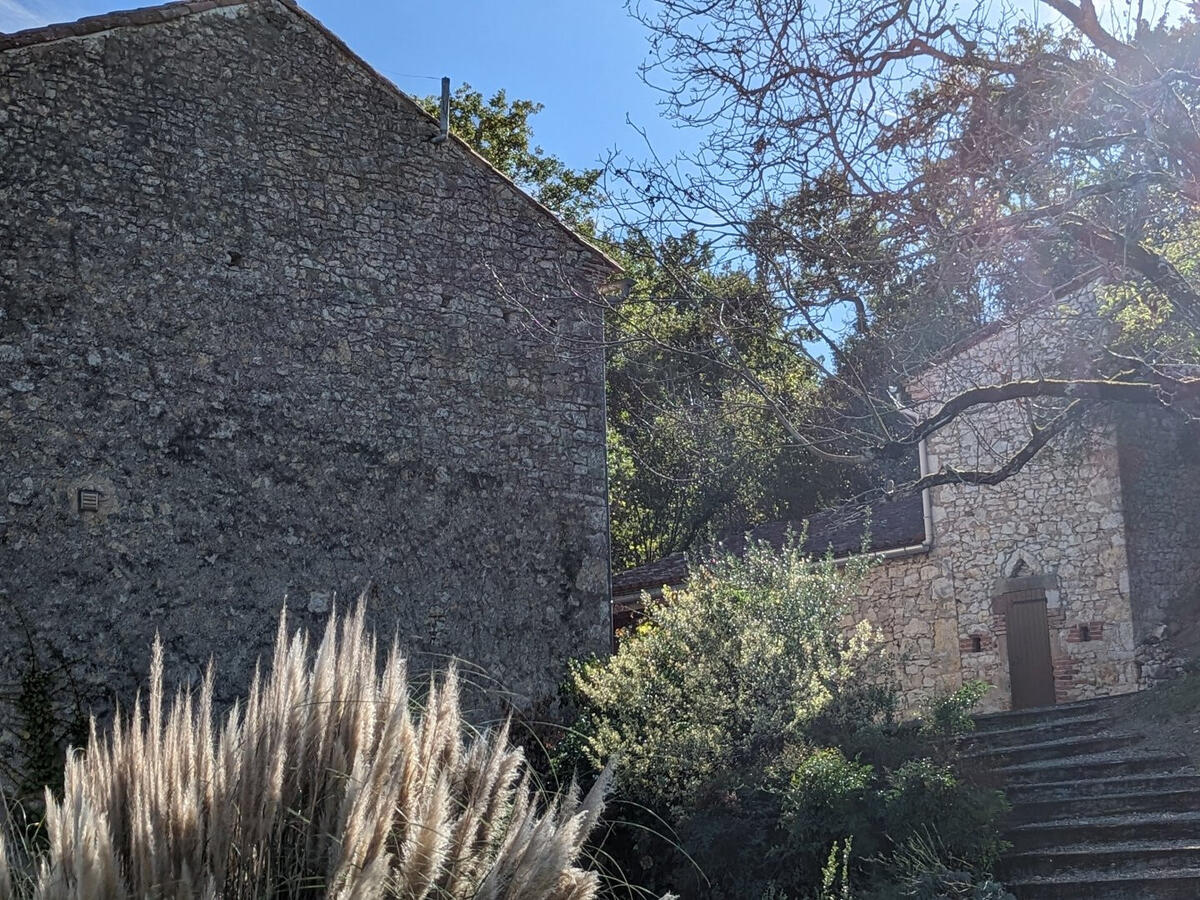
1055 529
261 339
1160 485
918 626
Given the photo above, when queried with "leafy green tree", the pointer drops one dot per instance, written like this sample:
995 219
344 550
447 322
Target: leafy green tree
896 176
695 451
498 129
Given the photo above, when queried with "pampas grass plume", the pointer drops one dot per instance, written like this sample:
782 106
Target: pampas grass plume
327 781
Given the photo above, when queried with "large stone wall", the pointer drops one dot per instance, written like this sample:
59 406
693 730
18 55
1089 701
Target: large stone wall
286 347
1160 486
1055 529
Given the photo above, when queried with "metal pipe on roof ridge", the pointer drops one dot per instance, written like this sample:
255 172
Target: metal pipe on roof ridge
443 114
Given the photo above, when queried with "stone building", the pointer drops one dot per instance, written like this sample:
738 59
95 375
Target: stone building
1077 577
264 334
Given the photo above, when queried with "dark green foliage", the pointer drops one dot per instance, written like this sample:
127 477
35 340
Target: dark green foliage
918 829
44 713
950 715
498 129
923 796
695 451
829 799
923 868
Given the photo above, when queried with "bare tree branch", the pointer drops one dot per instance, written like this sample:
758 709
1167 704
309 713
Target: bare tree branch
1014 464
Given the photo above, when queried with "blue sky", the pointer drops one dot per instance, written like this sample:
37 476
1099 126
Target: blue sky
577 57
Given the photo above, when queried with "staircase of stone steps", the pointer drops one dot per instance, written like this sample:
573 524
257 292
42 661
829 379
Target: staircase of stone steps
1095 816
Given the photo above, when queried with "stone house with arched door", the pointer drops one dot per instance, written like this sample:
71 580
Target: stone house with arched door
1076 577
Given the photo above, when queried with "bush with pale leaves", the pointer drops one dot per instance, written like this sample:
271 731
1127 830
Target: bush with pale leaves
327 782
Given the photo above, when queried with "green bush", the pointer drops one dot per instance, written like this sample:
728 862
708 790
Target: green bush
924 868
950 715
755 727
828 799
724 674
923 795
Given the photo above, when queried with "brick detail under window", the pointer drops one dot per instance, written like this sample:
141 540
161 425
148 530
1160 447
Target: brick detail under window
976 643
1085 631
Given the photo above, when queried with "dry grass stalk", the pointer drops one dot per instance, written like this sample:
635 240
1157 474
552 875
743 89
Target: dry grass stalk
325 783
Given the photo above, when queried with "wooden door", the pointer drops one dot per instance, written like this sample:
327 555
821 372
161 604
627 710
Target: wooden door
1029 666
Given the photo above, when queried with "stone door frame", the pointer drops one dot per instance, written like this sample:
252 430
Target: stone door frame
1006 592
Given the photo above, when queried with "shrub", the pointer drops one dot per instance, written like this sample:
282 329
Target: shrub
950 715
827 800
924 868
749 716
923 797
725 673
326 782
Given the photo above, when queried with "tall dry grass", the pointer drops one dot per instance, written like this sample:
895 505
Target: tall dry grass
327 782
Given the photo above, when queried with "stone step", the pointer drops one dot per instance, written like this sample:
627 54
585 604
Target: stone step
1059 749
1092 817
1027 811
1104 830
1075 726
1042 714
1102 787
1175 884
1109 859
1097 766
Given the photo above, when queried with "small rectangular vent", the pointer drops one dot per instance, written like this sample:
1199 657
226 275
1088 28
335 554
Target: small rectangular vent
89 500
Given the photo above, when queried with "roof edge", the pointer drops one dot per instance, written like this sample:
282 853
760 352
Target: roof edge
901 530
145 15
344 48
978 336
178 9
